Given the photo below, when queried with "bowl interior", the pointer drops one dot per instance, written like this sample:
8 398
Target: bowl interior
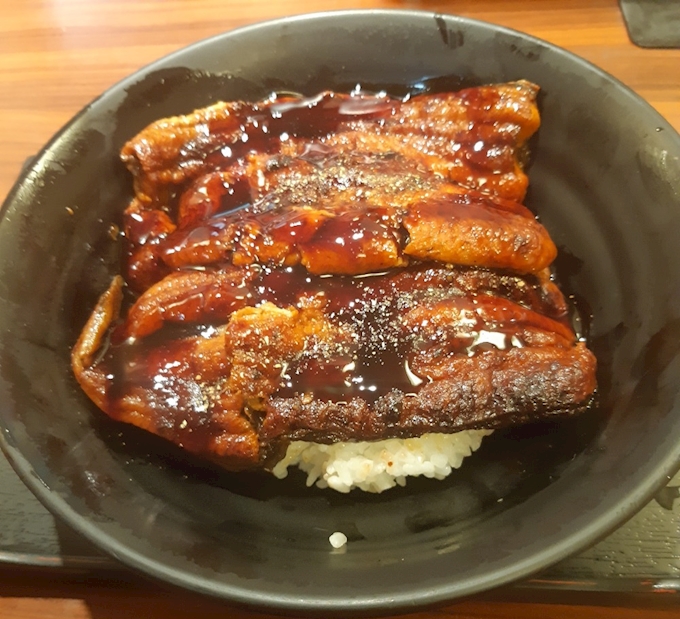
605 180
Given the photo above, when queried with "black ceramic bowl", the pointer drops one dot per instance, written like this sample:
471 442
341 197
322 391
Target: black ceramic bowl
605 180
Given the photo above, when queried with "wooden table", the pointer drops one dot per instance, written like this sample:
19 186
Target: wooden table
57 55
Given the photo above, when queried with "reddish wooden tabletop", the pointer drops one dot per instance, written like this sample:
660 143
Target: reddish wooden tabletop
57 55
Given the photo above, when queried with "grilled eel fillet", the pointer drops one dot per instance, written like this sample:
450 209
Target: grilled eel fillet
239 341
437 177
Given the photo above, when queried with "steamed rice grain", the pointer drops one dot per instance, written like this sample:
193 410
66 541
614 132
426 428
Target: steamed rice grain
380 465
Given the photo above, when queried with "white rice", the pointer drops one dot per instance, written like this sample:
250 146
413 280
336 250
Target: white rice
338 539
380 465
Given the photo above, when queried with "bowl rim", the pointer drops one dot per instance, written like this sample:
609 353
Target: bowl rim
416 597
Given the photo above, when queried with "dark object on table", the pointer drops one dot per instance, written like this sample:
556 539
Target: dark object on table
602 180
652 23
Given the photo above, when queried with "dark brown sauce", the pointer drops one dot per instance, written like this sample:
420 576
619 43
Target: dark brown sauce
262 128
355 238
213 195
159 368
144 233
223 145
374 306
208 203
468 207
363 238
353 242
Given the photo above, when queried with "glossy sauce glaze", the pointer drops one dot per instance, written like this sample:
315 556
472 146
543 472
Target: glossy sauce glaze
377 308
263 128
224 143
470 311
480 144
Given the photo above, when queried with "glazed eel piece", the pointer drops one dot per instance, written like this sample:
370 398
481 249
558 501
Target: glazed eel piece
422 349
472 135
272 182
393 210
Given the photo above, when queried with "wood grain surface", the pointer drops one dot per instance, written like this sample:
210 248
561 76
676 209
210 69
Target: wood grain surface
57 55
43 598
